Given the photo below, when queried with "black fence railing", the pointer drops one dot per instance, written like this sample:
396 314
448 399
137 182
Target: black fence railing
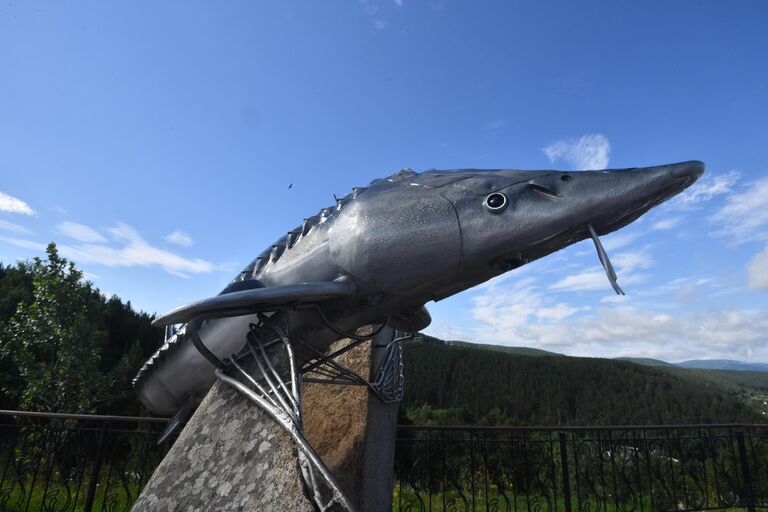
69 463
72 462
585 469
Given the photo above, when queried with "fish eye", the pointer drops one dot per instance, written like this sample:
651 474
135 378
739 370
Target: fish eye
495 202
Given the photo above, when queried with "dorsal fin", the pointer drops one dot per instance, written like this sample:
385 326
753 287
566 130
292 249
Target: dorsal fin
258 299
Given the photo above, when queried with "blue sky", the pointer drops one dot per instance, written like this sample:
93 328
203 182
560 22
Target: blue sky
155 144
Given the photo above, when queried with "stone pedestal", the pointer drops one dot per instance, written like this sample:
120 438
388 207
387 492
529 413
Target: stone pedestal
233 456
353 431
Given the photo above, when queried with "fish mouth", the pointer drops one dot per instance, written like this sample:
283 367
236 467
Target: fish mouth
676 178
604 225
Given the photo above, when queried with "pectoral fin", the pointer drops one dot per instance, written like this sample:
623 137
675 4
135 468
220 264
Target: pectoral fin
257 299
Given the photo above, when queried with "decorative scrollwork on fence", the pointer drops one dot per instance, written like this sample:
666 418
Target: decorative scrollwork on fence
66 464
632 469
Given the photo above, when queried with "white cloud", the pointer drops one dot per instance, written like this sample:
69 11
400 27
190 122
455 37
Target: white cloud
617 240
651 323
23 243
758 270
447 331
625 331
371 10
515 305
590 152
14 205
682 289
705 189
14 228
179 238
132 251
594 278
80 232
744 216
611 242
669 223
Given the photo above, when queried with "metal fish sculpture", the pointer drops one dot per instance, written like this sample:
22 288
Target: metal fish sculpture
383 251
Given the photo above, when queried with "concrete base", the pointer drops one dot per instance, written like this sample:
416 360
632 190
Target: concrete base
232 456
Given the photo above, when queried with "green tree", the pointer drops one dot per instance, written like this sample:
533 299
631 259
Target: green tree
52 342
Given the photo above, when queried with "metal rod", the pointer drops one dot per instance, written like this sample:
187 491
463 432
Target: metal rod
95 417
301 443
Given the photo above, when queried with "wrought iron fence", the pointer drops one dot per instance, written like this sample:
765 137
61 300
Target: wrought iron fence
71 462
588 469
68 463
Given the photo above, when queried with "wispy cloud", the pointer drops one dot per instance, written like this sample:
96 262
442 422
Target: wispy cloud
494 124
12 204
130 249
80 232
398 3
668 223
10 227
744 216
627 331
179 238
611 242
758 270
515 305
591 151
371 10
23 243
594 278
707 188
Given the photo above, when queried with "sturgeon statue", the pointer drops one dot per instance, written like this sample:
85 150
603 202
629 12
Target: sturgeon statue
383 251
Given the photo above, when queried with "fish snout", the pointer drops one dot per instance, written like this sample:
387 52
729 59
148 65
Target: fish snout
684 174
623 195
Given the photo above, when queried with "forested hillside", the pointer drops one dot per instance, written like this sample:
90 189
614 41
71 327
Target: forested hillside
461 384
64 347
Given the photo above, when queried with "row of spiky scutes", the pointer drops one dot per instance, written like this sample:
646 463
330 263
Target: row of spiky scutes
252 271
163 353
270 255
287 242
276 250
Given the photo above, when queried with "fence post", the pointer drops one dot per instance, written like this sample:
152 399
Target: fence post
745 471
100 450
564 468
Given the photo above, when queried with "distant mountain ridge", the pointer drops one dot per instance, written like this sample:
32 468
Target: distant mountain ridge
724 364
645 361
525 351
702 364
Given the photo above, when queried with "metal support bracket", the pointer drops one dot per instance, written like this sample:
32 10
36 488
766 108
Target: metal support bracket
387 385
280 397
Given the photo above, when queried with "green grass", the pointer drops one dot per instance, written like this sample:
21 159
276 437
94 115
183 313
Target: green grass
407 501
58 497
